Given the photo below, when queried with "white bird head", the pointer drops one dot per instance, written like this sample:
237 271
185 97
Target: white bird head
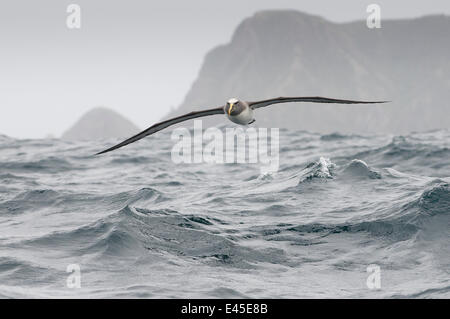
231 105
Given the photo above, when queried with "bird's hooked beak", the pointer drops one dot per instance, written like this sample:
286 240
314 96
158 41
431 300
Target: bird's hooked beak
230 108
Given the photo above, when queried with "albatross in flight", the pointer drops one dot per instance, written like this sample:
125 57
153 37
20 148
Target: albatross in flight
237 111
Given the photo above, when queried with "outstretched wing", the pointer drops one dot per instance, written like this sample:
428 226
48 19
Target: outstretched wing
162 125
314 99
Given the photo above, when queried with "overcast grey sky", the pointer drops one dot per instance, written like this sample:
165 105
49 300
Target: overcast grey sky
137 57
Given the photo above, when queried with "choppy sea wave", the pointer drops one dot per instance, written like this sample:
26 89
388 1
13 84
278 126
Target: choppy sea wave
139 225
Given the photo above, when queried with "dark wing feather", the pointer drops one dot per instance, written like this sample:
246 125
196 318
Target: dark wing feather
162 125
314 99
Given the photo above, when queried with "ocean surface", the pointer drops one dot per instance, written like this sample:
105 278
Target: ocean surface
136 224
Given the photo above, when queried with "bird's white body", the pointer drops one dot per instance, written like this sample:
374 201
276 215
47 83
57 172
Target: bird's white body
243 118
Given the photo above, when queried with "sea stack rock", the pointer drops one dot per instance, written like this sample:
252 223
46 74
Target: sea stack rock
100 123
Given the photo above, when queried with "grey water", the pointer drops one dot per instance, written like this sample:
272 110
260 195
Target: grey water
139 225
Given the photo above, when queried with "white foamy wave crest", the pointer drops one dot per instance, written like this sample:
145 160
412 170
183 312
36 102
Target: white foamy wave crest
322 169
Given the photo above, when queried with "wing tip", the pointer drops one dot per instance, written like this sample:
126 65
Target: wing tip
370 102
381 102
100 153
105 151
